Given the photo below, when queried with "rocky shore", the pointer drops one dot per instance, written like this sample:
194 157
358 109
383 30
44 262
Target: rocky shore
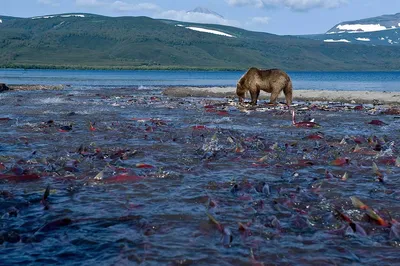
371 97
4 87
355 97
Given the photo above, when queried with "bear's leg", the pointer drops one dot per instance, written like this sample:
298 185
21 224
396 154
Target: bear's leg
254 96
288 90
288 97
274 96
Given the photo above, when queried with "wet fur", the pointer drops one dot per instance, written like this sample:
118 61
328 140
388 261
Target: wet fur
270 80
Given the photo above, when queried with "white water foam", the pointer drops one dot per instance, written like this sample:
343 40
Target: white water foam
53 100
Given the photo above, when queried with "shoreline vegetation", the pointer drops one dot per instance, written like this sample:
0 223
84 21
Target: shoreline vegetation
72 67
355 97
172 68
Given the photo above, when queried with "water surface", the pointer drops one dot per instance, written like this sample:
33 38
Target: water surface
370 81
167 162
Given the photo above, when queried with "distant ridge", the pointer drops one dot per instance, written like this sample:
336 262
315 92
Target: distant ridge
89 41
384 22
381 30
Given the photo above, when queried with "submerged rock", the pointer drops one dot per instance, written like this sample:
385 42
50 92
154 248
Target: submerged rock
3 87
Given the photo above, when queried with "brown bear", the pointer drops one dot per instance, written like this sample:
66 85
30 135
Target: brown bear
269 80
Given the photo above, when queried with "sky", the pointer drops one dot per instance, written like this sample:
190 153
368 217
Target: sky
283 17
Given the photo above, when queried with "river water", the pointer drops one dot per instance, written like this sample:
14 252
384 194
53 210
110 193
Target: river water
132 176
373 81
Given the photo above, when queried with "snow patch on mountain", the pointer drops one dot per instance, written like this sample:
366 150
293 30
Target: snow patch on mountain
210 31
363 39
332 40
44 17
73 15
207 31
62 16
354 28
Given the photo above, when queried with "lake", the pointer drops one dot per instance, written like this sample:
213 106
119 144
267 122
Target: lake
370 81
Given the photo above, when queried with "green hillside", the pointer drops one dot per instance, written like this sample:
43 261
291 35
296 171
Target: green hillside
100 42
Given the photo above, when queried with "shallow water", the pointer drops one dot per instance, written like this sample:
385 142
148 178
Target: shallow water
195 150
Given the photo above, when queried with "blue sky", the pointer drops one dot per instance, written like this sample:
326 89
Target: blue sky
274 16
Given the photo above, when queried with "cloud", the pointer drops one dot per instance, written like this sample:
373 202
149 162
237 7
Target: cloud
260 20
298 5
196 17
48 2
124 7
92 3
119 6
256 3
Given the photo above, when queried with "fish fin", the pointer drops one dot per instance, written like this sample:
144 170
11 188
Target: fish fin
46 193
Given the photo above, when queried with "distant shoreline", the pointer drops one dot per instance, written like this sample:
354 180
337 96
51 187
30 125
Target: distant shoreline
179 68
120 68
32 87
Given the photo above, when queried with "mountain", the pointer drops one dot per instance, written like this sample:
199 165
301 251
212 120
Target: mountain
381 30
99 42
203 10
380 23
